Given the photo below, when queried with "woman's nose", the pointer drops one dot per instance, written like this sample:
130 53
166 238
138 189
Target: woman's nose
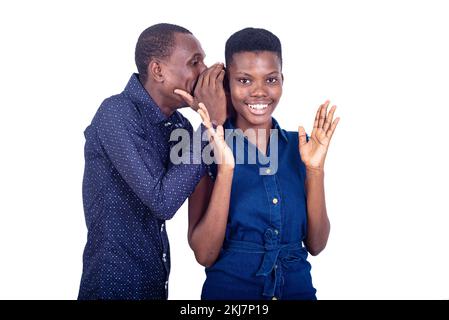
258 90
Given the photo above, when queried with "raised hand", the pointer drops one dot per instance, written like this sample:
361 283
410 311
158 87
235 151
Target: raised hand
313 152
209 90
222 153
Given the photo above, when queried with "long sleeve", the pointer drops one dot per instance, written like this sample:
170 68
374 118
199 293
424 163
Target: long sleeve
163 189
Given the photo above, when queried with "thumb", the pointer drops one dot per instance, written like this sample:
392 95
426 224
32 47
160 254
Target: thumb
302 136
187 97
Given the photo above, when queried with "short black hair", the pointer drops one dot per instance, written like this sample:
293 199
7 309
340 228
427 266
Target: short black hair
252 40
156 41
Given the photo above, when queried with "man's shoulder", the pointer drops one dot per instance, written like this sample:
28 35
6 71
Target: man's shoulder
120 103
116 107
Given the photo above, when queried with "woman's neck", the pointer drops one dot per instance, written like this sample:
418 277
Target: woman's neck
258 135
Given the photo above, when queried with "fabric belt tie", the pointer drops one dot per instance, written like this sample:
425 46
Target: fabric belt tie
274 254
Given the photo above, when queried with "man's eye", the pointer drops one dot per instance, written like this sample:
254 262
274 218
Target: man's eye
195 62
272 80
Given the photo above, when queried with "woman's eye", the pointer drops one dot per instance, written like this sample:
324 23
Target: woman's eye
244 81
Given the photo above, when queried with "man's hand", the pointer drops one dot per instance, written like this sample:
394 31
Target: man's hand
209 90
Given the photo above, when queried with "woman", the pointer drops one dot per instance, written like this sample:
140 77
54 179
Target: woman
248 224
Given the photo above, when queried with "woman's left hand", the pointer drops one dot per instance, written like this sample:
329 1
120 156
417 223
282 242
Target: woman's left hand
313 152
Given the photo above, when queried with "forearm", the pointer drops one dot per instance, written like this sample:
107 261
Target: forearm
207 236
166 196
318 226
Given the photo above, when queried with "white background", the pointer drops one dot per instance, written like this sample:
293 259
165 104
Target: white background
383 63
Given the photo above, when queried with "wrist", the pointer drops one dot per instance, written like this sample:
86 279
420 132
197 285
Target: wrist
315 171
225 173
225 170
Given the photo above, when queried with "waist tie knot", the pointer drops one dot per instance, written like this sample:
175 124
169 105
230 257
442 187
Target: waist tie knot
274 254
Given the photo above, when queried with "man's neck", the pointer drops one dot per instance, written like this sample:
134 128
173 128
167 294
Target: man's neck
160 99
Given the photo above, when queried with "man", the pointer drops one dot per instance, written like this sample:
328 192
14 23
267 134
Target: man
130 187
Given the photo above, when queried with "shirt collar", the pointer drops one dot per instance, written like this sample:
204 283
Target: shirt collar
229 124
146 105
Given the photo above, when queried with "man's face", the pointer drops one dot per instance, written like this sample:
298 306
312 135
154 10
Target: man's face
255 83
182 69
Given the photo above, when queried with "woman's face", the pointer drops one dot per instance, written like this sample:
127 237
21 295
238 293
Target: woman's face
255 85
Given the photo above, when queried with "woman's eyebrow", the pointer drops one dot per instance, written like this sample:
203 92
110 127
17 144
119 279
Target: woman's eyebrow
275 72
243 73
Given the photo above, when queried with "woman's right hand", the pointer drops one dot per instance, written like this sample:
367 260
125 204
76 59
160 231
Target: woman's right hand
222 153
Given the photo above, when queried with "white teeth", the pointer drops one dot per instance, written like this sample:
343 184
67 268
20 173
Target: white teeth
258 106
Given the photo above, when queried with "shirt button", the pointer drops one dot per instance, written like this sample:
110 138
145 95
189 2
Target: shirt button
274 298
275 266
268 171
167 124
163 257
276 231
166 285
162 227
275 200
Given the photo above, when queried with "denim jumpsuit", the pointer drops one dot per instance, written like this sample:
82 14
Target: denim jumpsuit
262 255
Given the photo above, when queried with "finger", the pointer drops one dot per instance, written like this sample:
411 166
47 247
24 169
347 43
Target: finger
220 78
323 114
331 130
199 83
207 76
317 117
204 115
215 73
220 131
302 136
203 107
187 97
329 118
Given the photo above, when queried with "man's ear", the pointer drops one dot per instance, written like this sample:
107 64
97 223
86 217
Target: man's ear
282 75
155 70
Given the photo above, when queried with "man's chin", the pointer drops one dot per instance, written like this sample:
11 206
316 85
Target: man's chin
182 105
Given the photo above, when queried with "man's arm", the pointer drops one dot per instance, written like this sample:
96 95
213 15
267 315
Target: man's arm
160 189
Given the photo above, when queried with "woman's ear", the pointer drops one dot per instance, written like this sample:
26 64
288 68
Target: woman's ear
155 70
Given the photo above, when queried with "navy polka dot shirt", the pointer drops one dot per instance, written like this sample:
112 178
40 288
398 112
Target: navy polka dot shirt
130 188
